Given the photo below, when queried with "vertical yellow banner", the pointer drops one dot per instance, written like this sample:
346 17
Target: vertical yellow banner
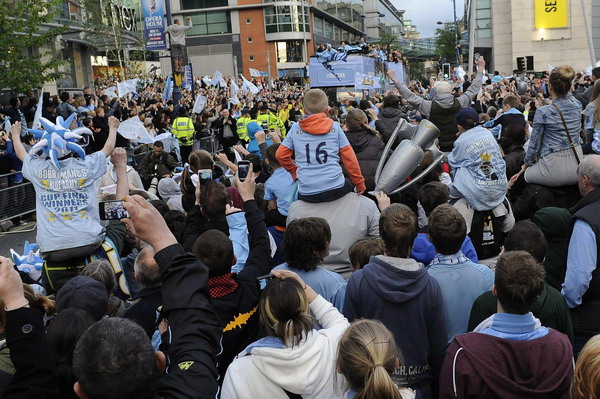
551 14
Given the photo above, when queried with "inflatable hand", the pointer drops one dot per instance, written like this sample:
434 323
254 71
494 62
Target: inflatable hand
30 262
58 140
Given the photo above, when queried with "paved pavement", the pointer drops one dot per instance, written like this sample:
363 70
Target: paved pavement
16 237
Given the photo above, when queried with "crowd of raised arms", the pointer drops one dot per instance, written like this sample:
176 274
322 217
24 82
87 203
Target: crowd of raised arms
236 244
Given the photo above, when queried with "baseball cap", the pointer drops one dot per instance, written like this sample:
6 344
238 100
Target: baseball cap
467 117
442 87
83 292
415 118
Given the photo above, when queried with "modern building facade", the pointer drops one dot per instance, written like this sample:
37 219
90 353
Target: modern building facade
382 18
507 29
233 36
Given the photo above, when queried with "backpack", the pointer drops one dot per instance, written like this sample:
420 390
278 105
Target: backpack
486 233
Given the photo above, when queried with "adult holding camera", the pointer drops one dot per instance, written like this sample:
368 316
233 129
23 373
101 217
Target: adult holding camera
156 164
226 131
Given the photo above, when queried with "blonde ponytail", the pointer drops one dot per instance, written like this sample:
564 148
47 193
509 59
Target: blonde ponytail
367 357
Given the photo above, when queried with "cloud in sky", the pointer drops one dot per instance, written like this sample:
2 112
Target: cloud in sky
426 13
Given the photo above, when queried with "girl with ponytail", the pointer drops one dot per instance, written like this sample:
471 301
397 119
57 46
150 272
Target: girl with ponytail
293 360
367 358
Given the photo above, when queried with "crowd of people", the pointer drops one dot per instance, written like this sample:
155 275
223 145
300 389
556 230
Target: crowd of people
266 264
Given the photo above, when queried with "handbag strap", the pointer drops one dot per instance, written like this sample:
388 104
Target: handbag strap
562 118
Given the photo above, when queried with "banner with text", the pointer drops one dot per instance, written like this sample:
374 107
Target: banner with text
551 14
154 24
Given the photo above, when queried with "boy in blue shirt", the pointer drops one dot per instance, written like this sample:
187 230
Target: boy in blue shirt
278 189
319 144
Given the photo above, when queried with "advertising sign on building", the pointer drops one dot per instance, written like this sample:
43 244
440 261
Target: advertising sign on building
551 14
154 24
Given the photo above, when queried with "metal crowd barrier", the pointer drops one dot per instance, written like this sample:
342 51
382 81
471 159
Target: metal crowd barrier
15 199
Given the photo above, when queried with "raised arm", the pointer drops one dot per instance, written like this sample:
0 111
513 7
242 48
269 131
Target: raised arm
36 374
109 146
194 332
259 257
15 133
471 93
119 160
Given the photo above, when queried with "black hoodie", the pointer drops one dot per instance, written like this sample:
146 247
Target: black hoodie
368 149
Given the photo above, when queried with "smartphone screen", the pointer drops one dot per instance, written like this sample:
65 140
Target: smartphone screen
112 210
263 280
205 174
243 169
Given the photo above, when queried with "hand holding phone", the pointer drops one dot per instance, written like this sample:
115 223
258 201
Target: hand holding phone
243 170
112 210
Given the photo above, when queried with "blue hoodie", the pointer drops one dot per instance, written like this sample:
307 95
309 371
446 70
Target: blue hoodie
401 294
253 146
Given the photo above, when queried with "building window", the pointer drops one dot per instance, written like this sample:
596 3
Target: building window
197 4
289 51
249 40
318 26
251 58
286 19
248 21
210 23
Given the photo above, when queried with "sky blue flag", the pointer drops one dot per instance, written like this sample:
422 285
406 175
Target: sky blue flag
168 90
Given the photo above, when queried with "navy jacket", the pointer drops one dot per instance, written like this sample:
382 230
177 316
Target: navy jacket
409 303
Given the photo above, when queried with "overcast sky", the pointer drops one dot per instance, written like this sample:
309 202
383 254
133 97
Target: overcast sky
426 13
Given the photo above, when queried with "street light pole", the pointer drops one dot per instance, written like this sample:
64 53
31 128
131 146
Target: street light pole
176 89
455 33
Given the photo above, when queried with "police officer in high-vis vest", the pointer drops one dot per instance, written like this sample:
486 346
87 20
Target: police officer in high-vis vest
266 117
183 130
242 125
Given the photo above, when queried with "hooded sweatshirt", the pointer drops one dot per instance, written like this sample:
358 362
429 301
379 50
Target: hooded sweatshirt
403 296
319 144
170 192
390 118
555 224
369 150
307 369
487 367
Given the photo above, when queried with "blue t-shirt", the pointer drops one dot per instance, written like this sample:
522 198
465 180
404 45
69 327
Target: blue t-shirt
66 205
278 187
326 283
318 158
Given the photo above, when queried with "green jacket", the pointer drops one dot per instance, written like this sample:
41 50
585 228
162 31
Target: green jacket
550 308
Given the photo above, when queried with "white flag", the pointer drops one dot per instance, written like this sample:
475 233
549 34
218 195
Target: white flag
38 112
7 124
234 88
598 64
550 68
200 104
111 92
249 86
254 73
216 80
133 129
206 80
128 86
234 100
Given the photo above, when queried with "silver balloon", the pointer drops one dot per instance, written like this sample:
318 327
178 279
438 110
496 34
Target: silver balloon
391 173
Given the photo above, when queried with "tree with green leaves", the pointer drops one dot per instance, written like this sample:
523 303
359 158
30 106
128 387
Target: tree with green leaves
445 41
29 58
